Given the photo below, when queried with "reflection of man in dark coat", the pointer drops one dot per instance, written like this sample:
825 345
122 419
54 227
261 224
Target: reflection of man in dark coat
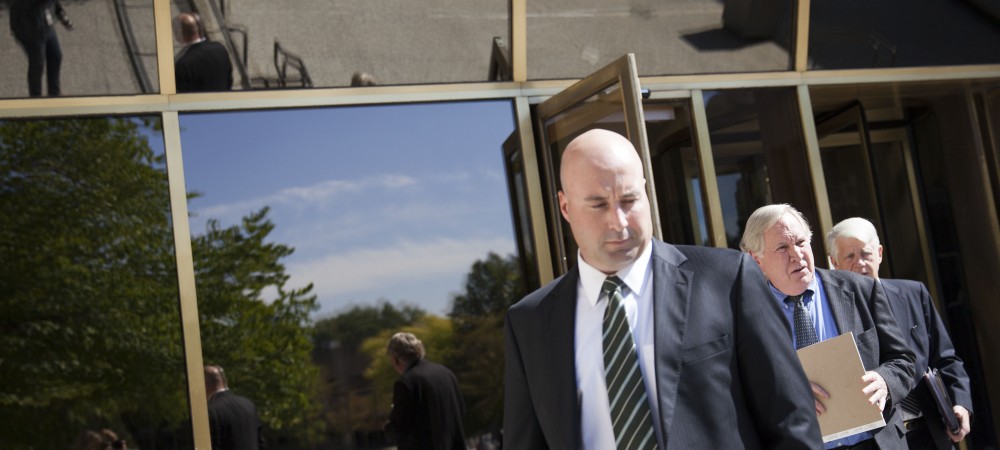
427 406
232 419
202 65
32 21
854 246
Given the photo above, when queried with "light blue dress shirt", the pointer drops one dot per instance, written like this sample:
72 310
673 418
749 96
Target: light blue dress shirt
826 328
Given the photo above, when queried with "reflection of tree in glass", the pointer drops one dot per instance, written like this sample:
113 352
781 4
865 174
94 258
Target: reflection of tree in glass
263 345
355 409
88 294
492 285
89 317
469 341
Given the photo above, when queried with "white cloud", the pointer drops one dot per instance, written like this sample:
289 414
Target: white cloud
367 269
300 196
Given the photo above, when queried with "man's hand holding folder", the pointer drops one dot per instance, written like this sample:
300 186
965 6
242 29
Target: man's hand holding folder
955 417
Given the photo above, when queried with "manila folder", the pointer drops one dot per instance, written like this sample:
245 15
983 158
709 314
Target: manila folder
835 365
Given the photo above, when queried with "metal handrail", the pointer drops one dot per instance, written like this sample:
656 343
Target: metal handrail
225 28
125 24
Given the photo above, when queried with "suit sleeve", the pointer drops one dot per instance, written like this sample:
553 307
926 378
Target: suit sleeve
403 409
777 391
521 429
896 361
941 354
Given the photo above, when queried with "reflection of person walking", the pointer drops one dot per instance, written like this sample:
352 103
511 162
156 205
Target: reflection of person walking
32 22
201 65
232 418
427 406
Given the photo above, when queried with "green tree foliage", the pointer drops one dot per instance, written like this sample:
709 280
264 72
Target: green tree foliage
90 330
261 342
350 328
492 285
88 294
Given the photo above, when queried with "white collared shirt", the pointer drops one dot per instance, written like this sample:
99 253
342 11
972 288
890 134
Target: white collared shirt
595 414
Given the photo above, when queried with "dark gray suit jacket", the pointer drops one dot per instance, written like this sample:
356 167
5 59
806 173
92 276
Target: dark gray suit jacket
859 305
926 336
726 376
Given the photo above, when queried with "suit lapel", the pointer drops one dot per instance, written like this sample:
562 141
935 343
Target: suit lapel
560 337
671 297
841 302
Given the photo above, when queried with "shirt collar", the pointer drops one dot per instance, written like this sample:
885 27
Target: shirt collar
210 397
807 296
634 275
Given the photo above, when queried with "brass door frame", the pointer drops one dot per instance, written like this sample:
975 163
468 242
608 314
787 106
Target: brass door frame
901 136
621 72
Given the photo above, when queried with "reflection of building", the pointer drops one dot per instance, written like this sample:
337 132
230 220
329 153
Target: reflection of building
893 115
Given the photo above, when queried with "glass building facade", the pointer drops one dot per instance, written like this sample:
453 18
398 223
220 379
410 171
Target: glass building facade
285 228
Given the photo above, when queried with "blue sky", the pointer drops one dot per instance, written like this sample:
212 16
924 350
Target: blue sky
389 202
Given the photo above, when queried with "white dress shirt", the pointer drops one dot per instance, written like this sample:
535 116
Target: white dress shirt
591 386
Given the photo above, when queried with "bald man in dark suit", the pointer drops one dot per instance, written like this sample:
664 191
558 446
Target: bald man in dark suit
716 367
232 419
202 65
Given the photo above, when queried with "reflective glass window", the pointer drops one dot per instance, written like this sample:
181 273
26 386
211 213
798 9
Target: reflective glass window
318 233
90 347
677 173
571 39
861 34
760 155
77 48
317 43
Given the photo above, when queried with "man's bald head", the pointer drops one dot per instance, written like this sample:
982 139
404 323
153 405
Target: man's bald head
595 145
188 28
603 198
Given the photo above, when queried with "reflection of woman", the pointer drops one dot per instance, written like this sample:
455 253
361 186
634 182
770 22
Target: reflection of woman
32 21
103 440
89 440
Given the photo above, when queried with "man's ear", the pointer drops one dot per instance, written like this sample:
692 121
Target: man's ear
564 205
880 253
757 260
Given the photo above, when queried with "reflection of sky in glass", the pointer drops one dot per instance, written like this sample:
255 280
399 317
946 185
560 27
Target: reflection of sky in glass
380 202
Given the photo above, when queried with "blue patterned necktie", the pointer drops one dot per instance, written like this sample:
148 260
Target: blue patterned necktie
630 415
805 332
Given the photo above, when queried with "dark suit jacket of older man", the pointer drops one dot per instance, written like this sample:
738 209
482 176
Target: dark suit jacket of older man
859 305
428 409
726 375
926 335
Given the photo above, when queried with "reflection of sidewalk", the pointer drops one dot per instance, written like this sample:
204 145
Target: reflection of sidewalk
95 59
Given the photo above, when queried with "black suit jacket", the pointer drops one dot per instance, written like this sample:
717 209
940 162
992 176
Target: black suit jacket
427 409
234 423
27 19
925 334
726 376
859 305
204 67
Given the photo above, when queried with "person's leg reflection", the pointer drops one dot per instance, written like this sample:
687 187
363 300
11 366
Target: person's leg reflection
35 51
53 63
